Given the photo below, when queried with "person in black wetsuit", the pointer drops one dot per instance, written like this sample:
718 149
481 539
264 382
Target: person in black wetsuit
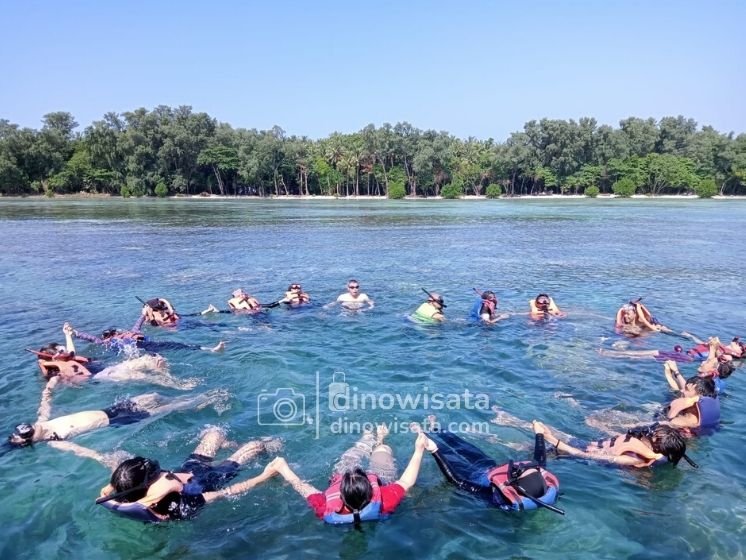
512 487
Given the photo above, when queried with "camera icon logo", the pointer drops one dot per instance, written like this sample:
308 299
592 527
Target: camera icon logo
284 407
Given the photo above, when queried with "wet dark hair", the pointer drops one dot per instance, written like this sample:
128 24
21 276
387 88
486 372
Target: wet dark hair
532 483
24 435
355 491
156 304
53 348
133 476
725 369
668 442
544 299
704 386
488 295
108 333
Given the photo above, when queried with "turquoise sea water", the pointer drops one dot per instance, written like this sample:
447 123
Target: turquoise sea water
85 261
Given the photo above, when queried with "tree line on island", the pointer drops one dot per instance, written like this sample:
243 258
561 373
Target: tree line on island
175 151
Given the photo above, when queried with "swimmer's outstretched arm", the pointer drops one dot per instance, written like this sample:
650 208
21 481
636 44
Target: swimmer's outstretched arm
137 327
87 337
110 460
675 380
68 331
45 406
281 467
409 476
240 487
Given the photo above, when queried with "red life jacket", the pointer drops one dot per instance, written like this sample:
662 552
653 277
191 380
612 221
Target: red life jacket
61 356
334 504
500 477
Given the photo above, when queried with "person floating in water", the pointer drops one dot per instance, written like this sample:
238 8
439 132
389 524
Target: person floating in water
432 310
639 447
139 489
62 361
354 494
240 302
633 318
543 306
717 359
353 298
120 413
127 341
158 312
295 296
484 309
514 486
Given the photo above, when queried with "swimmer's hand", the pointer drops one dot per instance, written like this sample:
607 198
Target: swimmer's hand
106 490
67 328
420 444
278 465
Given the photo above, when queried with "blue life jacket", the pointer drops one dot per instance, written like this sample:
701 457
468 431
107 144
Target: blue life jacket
708 410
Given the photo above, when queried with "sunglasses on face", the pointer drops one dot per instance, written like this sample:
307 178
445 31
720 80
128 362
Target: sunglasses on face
353 287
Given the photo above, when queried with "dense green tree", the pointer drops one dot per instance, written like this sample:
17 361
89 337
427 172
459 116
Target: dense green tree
190 153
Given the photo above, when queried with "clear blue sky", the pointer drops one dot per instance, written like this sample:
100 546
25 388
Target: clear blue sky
473 68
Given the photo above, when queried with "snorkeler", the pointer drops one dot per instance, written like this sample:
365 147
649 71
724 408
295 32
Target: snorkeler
241 302
633 318
484 309
120 413
354 494
295 296
159 312
62 361
543 306
123 341
353 298
139 489
514 486
432 310
639 447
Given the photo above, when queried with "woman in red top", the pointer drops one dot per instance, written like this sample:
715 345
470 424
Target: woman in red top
355 495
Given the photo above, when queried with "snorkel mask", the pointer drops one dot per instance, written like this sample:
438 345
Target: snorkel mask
22 436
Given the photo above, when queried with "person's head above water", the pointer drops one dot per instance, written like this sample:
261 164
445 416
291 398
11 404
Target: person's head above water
668 442
489 295
437 299
531 483
22 436
240 293
109 333
702 386
542 302
132 477
355 491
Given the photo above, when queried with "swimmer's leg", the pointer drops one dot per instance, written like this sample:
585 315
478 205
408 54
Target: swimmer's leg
382 460
629 353
155 404
503 418
354 456
212 439
252 449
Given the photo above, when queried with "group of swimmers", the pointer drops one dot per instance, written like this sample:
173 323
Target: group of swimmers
139 489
